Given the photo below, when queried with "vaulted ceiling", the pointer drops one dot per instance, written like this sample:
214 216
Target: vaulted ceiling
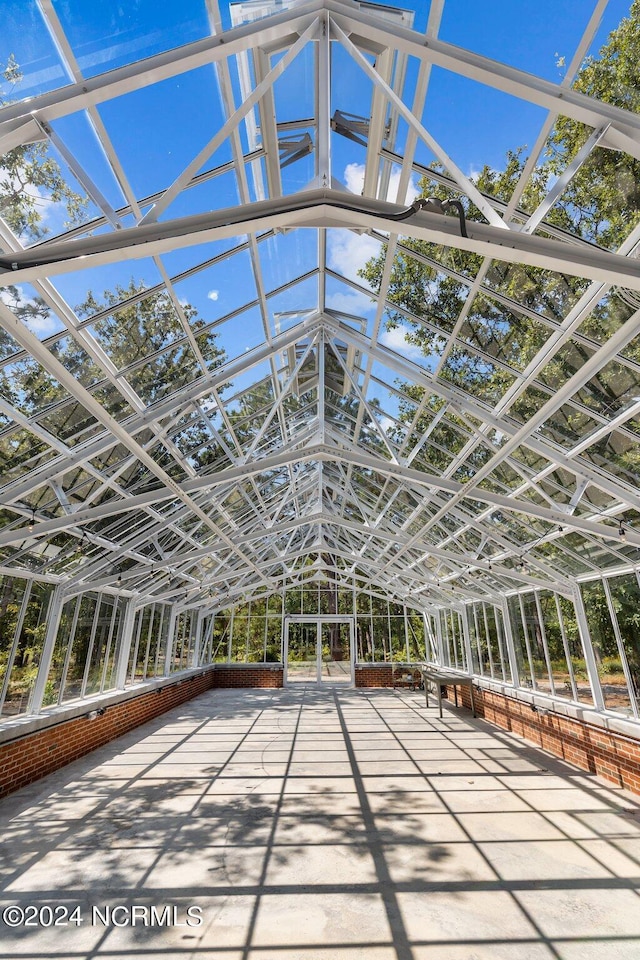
245 408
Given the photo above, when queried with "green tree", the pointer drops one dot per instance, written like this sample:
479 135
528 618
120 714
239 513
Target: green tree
30 178
602 203
508 321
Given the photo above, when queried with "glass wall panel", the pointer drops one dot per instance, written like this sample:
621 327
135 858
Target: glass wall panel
397 638
363 602
158 644
481 663
11 595
556 642
274 605
61 658
148 643
520 643
431 625
273 646
625 597
21 674
381 643
206 645
256 634
535 640
141 631
104 646
293 602
365 652
240 635
345 602
415 637
576 661
221 635
453 640
495 636
81 642
311 602
605 647
184 644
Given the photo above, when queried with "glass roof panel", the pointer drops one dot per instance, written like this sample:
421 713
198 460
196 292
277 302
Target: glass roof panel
364 301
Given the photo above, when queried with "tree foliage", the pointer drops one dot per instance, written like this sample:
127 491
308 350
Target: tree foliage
602 203
511 317
30 178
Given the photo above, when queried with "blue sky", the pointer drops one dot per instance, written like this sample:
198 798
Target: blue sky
156 131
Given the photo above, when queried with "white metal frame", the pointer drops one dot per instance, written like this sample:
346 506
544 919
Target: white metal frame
308 478
319 620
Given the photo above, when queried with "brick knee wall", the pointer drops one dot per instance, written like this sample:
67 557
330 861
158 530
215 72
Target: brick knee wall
269 676
610 755
374 675
34 755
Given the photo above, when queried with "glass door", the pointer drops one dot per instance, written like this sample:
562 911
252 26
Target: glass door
318 650
336 652
302 652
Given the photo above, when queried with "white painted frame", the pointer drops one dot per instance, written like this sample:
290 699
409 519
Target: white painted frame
319 620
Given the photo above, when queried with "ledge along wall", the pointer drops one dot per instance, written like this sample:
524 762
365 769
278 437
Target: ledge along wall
611 755
26 755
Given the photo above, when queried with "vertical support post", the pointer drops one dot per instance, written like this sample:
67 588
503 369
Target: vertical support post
431 650
545 645
197 653
587 649
620 642
511 647
466 638
171 631
565 646
321 403
285 648
125 645
485 620
444 657
352 649
53 622
406 631
318 651
323 106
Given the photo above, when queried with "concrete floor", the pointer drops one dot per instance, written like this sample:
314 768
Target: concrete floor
320 824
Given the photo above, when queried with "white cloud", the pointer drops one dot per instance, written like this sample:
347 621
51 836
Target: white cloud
354 177
42 324
348 252
387 424
213 295
395 339
354 180
350 302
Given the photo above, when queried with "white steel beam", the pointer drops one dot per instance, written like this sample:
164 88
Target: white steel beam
459 399
16 119
229 126
372 34
29 341
319 208
466 185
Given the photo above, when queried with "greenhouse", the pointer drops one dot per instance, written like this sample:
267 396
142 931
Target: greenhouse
320 394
